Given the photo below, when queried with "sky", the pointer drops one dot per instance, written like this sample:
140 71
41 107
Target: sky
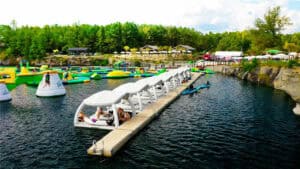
202 15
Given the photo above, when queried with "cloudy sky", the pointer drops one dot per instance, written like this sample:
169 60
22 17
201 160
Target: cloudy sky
203 15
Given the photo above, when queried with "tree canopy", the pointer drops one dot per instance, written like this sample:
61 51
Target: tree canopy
37 42
268 30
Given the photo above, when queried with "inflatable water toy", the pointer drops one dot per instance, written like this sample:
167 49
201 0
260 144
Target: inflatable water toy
82 74
207 71
8 75
50 85
77 80
96 76
69 79
196 89
118 74
4 93
102 70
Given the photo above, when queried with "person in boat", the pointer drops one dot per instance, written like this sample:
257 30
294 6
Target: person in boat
82 117
47 79
100 112
123 116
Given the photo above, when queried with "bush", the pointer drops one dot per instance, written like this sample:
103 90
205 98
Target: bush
249 66
137 63
104 62
292 63
274 63
255 62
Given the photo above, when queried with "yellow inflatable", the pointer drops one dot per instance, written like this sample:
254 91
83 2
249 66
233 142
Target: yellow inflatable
8 75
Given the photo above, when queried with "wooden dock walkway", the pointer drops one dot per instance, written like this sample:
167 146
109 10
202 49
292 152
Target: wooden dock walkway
114 140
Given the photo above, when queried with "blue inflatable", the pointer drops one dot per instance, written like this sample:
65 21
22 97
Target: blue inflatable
193 90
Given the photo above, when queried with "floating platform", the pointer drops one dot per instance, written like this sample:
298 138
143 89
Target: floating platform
113 141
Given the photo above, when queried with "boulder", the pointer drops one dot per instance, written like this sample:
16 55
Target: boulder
289 81
297 109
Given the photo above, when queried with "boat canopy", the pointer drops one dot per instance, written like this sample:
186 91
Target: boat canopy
104 98
131 88
134 89
152 81
165 76
127 96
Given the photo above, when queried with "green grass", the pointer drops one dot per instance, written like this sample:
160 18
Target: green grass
251 65
279 63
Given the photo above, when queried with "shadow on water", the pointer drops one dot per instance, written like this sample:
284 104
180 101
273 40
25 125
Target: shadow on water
233 124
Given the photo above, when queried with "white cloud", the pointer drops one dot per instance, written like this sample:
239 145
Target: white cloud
223 15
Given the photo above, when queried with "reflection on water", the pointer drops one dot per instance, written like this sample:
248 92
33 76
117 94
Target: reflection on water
234 124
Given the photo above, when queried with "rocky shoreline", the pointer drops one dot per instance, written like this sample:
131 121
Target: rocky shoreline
286 79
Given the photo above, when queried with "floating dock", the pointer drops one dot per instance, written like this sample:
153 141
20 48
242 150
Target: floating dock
113 141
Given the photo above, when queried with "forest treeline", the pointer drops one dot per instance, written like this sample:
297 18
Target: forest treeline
34 42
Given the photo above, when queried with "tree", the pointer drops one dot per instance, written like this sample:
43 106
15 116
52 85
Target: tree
268 29
36 42
126 48
130 34
291 47
273 23
113 33
102 42
230 41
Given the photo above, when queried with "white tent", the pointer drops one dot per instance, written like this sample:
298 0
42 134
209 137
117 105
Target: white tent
280 56
227 54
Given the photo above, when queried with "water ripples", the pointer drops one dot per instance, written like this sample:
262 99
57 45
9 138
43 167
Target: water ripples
234 124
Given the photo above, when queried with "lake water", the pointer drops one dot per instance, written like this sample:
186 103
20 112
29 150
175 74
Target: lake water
234 124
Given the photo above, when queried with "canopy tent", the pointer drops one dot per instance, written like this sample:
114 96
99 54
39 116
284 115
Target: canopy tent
226 54
273 51
280 56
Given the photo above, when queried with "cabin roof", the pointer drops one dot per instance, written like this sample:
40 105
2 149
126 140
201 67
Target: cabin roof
187 47
152 47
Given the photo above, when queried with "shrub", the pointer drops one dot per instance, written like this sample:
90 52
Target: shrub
137 63
249 66
292 63
104 62
263 78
